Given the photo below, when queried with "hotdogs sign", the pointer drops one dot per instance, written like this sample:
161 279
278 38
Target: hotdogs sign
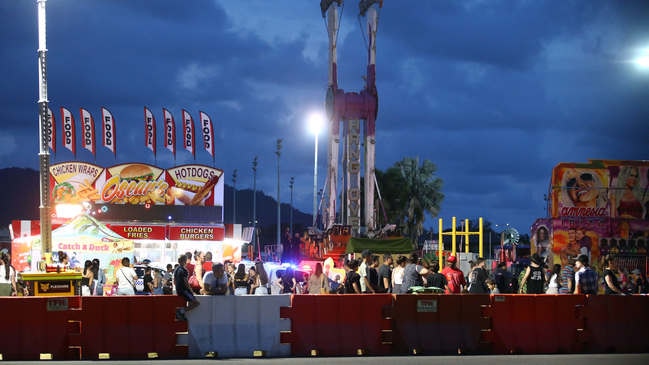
136 184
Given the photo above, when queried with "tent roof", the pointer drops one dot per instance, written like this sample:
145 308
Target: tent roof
392 245
85 225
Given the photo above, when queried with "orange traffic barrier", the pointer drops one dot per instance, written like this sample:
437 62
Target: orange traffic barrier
338 325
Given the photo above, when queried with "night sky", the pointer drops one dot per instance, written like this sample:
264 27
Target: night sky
495 93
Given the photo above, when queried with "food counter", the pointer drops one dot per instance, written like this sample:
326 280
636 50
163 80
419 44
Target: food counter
65 283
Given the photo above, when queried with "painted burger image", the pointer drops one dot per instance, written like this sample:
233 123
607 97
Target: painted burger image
136 172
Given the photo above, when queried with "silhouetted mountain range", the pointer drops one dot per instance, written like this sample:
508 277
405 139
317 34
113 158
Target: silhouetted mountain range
21 201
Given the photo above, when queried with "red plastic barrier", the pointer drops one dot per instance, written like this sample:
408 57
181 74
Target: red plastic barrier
535 324
338 325
473 322
35 325
129 327
436 324
617 323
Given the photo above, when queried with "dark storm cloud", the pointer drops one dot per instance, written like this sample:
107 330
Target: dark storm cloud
506 34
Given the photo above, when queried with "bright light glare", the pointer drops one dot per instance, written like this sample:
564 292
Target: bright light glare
642 59
68 210
642 62
316 121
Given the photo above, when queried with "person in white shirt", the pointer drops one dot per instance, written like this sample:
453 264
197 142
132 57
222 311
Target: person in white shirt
366 286
126 278
398 274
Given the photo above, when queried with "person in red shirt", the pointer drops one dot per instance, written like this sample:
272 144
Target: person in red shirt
454 276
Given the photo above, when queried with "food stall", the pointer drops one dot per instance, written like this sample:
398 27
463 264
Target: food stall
83 238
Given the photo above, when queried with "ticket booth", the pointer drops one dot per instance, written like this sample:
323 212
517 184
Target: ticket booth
44 284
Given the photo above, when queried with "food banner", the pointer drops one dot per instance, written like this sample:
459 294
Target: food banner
170 131
139 231
196 233
196 185
83 238
136 184
108 133
74 182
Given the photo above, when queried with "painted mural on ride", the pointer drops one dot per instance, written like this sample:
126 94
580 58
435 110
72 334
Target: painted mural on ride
596 208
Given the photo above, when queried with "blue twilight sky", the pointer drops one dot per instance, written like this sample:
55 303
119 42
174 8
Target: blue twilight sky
495 93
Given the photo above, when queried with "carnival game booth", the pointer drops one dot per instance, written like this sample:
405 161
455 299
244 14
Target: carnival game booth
83 238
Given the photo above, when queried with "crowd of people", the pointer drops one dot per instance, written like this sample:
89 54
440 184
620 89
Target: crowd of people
196 274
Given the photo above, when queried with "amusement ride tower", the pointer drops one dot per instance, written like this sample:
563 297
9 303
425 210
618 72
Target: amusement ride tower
356 112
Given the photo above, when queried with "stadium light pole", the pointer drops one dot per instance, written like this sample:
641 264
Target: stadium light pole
278 152
234 196
315 124
254 205
291 183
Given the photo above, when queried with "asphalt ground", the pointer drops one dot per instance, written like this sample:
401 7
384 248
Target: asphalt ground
576 359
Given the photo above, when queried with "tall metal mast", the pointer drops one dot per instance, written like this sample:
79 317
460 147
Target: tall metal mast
331 13
44 153
351 108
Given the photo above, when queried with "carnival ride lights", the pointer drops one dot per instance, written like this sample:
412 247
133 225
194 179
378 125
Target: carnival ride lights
350 108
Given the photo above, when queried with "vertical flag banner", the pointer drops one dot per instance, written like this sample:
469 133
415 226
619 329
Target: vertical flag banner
208 132
88 134
149 130
51 130
170 131
68 133
188 133
108 134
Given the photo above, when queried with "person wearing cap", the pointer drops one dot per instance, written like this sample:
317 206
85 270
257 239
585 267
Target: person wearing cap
454 277
637 284
585 277
534 278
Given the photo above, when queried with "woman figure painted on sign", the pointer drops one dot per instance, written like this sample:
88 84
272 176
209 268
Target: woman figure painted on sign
543 242
627 194
583 189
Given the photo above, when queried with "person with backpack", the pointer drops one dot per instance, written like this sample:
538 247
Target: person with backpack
503 279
